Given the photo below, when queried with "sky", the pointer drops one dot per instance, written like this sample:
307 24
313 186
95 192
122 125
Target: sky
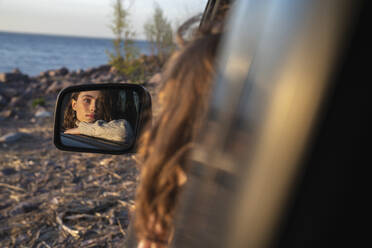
90 18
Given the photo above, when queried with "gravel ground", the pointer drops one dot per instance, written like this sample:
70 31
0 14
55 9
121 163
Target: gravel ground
51 198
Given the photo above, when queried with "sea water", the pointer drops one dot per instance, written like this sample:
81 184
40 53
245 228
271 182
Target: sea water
35 53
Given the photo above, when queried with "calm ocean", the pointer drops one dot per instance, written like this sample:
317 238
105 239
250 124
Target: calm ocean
33 53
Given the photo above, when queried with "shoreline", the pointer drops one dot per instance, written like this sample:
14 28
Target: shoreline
65 36
18 91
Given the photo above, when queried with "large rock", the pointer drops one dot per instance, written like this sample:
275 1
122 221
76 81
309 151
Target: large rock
95 75
3 101
11 137
45 80
42 113
6 114
43 87
29 92
16 70
44 74
79 72
71 74
16 101
52 73
11 77
106 78
10 92
60 72
63 71
113 70
104 68
95 71
58 86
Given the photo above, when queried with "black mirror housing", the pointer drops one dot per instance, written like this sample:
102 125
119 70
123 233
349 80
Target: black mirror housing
101 118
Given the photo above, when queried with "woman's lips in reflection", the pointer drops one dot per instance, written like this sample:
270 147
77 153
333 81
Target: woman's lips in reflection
90 116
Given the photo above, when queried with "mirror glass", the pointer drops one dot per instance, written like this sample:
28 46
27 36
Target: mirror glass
104 119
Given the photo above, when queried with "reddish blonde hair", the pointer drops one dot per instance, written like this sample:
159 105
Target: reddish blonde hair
187 80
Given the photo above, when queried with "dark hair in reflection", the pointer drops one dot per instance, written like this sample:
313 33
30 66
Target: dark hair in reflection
69 120
108 108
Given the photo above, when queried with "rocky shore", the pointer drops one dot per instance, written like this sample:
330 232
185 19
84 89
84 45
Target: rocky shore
50 198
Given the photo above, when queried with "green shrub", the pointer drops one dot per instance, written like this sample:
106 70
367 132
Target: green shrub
133 69
38 102
126 64
159 33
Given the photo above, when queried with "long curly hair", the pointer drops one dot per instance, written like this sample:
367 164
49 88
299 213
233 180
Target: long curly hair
187 80
69 120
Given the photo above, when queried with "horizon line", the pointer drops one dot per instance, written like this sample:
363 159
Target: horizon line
64 35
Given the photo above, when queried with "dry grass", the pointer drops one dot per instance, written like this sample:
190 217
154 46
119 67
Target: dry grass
65 200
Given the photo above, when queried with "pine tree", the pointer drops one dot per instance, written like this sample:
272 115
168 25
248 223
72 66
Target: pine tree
159 33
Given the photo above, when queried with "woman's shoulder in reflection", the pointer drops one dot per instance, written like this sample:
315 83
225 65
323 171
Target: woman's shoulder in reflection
116 130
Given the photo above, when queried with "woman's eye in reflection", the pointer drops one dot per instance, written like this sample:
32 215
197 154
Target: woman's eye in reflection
86 100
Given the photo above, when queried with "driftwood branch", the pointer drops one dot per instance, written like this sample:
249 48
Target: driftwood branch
73 233
11 187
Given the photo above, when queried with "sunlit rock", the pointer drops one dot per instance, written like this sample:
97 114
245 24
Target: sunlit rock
11 137
42 113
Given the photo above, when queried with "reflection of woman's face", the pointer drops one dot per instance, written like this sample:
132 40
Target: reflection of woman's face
86 106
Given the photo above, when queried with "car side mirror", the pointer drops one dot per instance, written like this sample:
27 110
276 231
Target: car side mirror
101 118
